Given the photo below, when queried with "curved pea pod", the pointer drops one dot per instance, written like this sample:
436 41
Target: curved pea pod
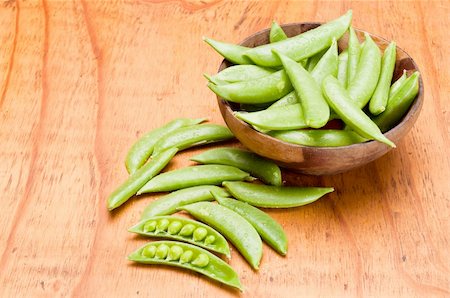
269 230
350 113
143 148
303 45
257 166
262 90
239 73
365 81
319 138
380 96
354 52
186 256
279 118
276 33
268 196
342 68
231 52
289 99
193 176
194 135
398 104
315 109
233 226
327 65
182 229
313 60
168 204
397 84
136 180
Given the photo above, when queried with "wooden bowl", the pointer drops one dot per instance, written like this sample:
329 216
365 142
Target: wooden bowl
320 160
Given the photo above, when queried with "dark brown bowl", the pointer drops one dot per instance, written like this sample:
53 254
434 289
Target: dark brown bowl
320 160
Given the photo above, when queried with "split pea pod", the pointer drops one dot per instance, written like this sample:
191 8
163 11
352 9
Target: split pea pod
231 52
319 138
354 52
249 162
269 230
276 33
315 109
194 135
238 73
350 113
303 45
397 84
268 196
233 226
188 256
327 65
289 99
168 204
193 176
182 229
138 179
342 68
143 148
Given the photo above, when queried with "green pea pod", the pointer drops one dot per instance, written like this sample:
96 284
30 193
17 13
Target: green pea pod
143 148
354 52
189 257
268 196
380 97
233 226
276 33
363 85
174 231
279 118
136 180
313 60
397 84
193 176
342 68
262 90
247 161
398 104
231 52
289 99
327 65
239 73
194 135
319 138
303 45
168 204
315 109
269 230
350 113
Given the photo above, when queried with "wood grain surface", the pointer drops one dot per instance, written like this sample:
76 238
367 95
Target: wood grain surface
81 80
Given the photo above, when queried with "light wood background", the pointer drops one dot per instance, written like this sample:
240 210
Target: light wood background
81 80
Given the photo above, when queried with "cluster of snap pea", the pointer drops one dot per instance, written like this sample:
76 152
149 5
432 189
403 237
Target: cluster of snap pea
316 84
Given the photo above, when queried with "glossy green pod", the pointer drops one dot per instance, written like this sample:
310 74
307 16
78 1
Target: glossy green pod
239 73
194 135
319 138
354 52
192 257
175 226
231 225
143 147
193 176
270 231
342 68
138 179
289 99
276 33
231 52
168 204
313 60
268 196
303 45
397 84
327 65
350 113
249 162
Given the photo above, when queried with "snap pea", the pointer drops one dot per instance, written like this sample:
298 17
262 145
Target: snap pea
233 226
315 109
173 229
247 161
399 103
350 113
168 204
313 60
261 90
190 257
365 81
327 65
269 230
231 52
319 138
193 176
136 180
194 135
238 73
268 196
303 45
342 68
276 33
143 148
397 84
278 118
288 99
354 52
380 96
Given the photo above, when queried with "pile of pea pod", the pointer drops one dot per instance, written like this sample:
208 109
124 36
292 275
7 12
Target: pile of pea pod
292 87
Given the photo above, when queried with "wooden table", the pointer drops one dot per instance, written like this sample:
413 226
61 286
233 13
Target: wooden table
81 80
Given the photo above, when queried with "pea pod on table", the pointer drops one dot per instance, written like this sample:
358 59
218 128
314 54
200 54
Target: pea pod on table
276 33
319 137
231 52
186 256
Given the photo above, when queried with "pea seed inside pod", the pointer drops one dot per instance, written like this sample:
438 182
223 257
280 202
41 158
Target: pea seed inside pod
186 257
162 225
187 230
210 239
174 253
202 260
149 251
200 234
161 251
174 227
150 226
